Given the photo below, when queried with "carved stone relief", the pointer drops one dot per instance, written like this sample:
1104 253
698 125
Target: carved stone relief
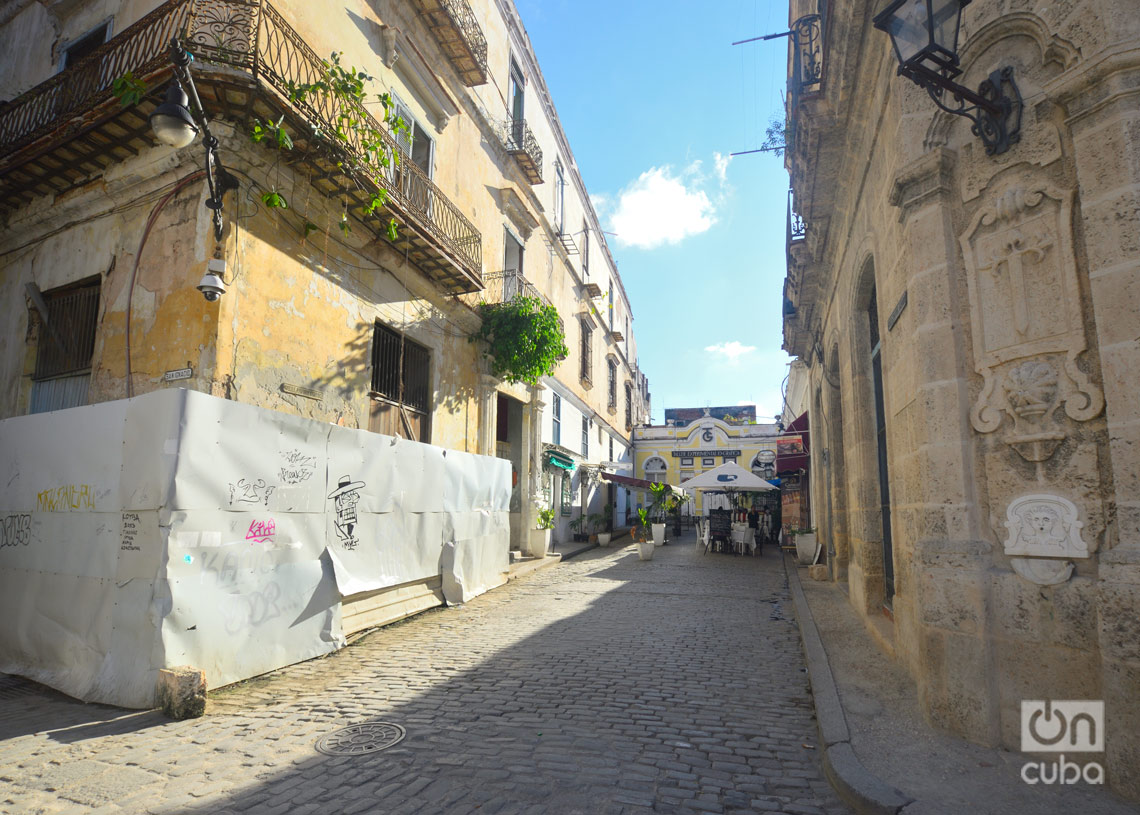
1044 533
1025 311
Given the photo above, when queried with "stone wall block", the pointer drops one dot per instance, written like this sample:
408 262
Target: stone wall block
1112 228
1108 155
1075 614
181 692
952 599
1120 688
1037 671
954 691
1119 618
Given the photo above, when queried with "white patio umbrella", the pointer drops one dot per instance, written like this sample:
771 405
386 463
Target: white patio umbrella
728 477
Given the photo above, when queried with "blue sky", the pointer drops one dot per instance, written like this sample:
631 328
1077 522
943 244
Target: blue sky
653 97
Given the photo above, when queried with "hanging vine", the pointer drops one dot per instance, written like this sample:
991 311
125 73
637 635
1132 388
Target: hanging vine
524 339
358 147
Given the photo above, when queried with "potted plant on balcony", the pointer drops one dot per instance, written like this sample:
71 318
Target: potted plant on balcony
644 544
605 532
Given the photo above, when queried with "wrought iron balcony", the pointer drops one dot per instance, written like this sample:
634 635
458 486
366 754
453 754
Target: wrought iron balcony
807 56
71 128
454 26
797 229
502 287
522 144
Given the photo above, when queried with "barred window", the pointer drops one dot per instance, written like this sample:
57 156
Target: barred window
612 402
628 406
587 369
65 346
401 390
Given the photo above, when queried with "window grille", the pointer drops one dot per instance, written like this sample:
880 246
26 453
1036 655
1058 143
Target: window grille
612 403
587 370
67 342
401 385
628 406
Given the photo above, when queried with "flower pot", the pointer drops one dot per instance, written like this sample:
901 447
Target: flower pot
604 538
805 548
645 550
659 534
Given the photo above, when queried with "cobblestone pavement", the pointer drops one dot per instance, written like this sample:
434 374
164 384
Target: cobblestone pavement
602 685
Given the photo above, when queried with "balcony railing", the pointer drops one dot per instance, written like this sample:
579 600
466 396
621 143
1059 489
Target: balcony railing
453 24
502 287
807 59
797 229
269 56
522 144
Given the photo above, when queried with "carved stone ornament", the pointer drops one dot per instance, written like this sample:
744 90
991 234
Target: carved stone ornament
1044 532
1025 311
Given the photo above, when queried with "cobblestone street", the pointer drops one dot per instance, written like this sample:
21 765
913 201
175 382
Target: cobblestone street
601 685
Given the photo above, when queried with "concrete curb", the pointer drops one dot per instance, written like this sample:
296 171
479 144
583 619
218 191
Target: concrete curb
863 791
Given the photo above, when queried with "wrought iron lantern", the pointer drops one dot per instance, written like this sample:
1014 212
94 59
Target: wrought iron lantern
176 124
924 34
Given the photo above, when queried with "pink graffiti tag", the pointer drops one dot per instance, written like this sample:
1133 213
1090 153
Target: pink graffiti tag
261 531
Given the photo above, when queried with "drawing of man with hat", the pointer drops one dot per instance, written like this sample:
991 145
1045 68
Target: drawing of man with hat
346 495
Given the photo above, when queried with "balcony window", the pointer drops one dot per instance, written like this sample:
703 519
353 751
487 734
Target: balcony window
612 385
556 419
559 197
83 46
585 249
586 372
517 90
414 141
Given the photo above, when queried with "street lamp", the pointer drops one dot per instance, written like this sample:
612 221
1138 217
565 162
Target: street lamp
924 34
176 124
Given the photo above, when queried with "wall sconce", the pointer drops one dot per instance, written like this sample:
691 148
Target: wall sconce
924 34
175 124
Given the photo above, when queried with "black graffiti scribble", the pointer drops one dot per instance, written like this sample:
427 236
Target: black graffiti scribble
251 492
15 530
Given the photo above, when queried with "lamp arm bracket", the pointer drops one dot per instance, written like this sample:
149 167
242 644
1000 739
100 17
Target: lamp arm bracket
996 115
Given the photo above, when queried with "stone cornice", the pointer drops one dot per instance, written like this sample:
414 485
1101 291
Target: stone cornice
921 181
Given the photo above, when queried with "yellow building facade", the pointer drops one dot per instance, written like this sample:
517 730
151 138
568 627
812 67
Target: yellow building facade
676 452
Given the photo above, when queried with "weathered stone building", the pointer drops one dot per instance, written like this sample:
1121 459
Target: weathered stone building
969 323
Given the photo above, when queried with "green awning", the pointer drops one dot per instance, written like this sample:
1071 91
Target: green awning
560 461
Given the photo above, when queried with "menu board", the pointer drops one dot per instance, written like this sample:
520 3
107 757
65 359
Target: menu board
720 523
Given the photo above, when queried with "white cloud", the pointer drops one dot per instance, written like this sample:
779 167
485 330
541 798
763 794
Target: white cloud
663 207
731 351
721 163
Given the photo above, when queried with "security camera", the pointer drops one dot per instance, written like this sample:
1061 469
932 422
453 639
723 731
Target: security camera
212 286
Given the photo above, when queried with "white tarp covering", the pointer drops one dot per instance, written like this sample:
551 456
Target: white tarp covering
177 528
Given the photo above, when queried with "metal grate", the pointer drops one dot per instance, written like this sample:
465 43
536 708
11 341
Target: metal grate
67 340
400 369
358 739
587 369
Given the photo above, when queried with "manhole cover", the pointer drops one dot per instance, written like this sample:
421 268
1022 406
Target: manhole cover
361 738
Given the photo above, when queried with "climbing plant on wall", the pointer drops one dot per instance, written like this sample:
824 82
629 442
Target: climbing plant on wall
524 339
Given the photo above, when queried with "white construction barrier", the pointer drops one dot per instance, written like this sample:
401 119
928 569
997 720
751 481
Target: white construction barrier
181 529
